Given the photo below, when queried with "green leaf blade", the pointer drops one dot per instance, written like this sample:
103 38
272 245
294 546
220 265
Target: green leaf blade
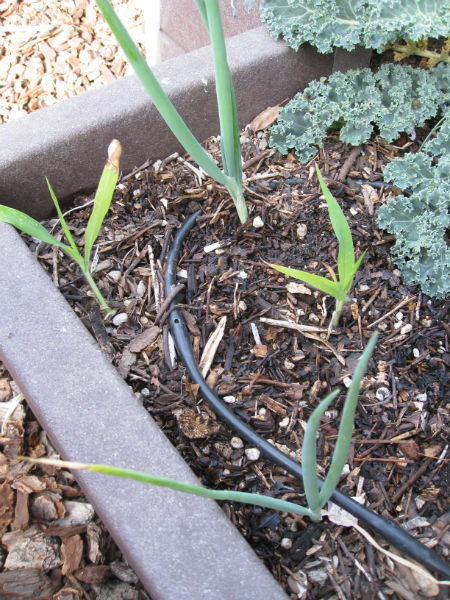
30 226
332 288
341 450
309 453
346 253
75 252
159 97
102 200
178 486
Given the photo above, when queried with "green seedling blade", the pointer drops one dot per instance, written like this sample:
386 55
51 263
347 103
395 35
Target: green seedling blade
30 226
202 10
358 262
102 200
159 97
75 252
332 288
179 486
167 109
226 102
343 442
309 453
346 254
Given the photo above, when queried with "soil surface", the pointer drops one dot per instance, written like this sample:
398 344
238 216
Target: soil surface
268 367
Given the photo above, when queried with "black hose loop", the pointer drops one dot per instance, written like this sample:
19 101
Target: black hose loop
387 529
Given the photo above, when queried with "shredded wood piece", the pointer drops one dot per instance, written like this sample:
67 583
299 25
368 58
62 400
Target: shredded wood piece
395 557
211 347
309 331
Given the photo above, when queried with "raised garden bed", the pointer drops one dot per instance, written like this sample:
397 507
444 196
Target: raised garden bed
77 396
278 216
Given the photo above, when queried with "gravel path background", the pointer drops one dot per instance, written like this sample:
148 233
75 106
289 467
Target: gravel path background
54 49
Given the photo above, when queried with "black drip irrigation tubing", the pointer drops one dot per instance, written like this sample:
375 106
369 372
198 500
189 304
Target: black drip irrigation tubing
388 530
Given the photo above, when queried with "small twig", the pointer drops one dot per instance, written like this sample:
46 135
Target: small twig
388 314
356 562
371 299
296 326
395 557
345 169
134 171
55 266
309 332
420 471
153 278
255 159
165 305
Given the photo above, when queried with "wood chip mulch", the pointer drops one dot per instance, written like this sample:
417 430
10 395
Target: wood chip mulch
57 49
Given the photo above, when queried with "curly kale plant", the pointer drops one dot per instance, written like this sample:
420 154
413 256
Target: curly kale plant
394 99
347 23
419 221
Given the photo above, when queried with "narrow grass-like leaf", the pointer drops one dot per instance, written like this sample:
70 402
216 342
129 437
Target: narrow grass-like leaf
157 94
102 200
232 182
30 226
201 5
343 442
229 126
357 263
75 252
309 453
346 253
173 484
332 288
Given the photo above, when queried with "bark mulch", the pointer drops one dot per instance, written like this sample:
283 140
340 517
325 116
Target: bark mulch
269 367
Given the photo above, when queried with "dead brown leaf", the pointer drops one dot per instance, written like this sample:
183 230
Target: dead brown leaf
265 118
194 425
410 449
260 350
433 450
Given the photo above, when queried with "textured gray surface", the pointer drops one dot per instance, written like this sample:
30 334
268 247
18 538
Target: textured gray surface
67 142
182 23
180 546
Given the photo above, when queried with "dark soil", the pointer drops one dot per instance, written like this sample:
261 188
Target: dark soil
274 376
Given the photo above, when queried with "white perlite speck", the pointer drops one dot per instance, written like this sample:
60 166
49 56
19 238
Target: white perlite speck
77 513
301 230
286 543
236 443
141 289
120 319
258 223
229 399
382 393
115 275
252 453
347 381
